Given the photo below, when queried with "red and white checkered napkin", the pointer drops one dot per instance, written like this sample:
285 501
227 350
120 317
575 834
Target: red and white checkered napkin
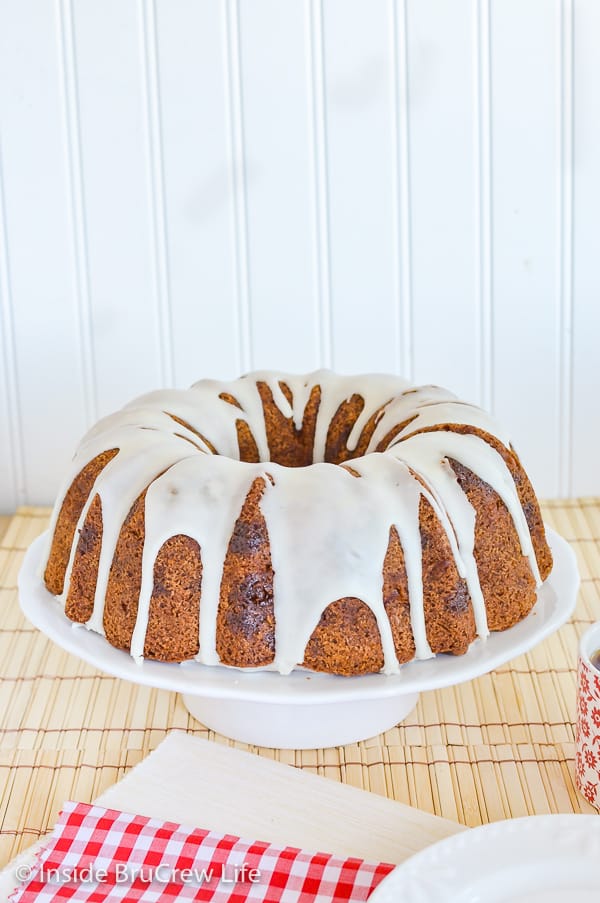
98 855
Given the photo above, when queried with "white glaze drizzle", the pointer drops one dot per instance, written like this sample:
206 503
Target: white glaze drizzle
328 530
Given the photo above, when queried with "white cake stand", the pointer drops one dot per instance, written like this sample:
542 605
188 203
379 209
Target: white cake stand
303 710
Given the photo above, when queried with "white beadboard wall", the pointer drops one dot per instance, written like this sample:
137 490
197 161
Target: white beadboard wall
197 188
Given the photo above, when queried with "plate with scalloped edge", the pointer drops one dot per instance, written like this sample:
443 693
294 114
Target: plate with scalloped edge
537 859
304 709
556 601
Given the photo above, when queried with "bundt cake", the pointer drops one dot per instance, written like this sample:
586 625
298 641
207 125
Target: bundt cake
345 524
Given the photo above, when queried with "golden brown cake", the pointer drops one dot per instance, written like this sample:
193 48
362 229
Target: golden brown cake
345 524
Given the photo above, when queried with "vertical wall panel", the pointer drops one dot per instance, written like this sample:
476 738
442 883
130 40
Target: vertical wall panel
525 208
12 489
360 169
198 186
39 246
192 189
586 272
113 114
277 184
442 127
9 496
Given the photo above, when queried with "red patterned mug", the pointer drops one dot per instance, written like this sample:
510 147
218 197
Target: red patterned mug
587 731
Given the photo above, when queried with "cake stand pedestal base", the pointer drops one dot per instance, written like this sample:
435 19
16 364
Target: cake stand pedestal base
300 726
304 709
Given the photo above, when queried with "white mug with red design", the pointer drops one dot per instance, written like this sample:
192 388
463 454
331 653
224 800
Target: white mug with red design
587 730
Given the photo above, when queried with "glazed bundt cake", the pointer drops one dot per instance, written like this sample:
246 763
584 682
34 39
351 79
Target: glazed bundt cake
336 523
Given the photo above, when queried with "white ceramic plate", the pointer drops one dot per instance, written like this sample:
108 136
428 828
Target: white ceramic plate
556 600
540 859
313 710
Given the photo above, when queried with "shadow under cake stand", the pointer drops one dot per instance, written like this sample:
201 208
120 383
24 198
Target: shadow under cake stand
303 710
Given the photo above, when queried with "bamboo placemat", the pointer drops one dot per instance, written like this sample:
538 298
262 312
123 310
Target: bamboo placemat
497 747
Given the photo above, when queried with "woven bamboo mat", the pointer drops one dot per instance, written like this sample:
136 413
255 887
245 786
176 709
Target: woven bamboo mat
497 747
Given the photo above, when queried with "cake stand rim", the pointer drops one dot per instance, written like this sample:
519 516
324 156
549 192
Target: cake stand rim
556 602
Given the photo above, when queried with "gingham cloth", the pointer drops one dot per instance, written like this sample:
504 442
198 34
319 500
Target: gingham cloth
98 855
